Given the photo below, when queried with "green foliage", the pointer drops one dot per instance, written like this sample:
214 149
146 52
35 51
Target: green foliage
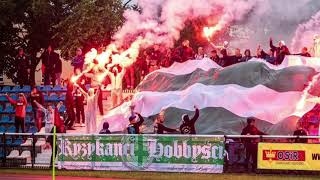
91 24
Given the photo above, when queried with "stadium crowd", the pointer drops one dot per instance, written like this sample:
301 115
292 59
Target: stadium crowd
149 60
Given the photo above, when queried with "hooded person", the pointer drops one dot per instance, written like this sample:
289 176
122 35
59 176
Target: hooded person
105 129
187 126
134 125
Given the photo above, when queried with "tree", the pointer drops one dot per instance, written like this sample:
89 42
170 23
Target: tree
90 25
28 24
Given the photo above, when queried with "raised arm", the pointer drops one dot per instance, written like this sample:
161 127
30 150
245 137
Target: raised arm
271 45
12 101
81 90
196 115
141 120
167 129
40 106
25 101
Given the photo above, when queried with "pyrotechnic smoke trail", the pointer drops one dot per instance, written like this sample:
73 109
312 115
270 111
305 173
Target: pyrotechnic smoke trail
160 22
305 33
302 101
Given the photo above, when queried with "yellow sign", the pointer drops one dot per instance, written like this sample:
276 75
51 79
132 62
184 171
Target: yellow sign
289 156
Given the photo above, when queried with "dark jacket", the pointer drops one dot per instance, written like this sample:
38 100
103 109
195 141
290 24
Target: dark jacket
300 132
251 130
136 126
58 66
187 127
79 100
279 54
77 62
49 60
105 129
236 59
23 63
36 97
184 53
159 128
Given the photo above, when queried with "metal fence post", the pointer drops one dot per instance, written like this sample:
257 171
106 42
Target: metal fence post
33 154
4 149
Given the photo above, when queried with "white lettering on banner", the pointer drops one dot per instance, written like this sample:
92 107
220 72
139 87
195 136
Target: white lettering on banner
158 150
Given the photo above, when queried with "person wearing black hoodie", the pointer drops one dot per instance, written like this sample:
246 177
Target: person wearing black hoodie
105 129
187 126
280 52
134 125
251 144
159 128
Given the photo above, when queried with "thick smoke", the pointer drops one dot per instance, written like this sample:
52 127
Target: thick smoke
305 33
272 18
162 20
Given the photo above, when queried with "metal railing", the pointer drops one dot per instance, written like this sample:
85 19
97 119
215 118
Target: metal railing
40 156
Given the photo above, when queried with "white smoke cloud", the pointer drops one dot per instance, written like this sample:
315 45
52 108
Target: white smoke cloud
305 33
162 20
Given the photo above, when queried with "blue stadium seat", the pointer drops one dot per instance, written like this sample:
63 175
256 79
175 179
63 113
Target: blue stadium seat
46 97
62 108
11 129
16 89
46 88
5 119
1 109
53 97
33 129
29 109
9 110
18 142
58 88
26 89
2 129
3 98
6 89
9 141
28 120
62 97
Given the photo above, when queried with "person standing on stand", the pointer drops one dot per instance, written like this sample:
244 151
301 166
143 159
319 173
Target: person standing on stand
91 109
69 103
251 144
23 68
37 96
79 103
49 60
20 105
78 60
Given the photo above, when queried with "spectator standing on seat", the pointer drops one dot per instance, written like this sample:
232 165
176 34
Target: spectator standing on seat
79 103
36 95
23 65
49 60
251 144
134 124
78 61
50 115
20 107
158 126
69 103
60 128
188 125
91 109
